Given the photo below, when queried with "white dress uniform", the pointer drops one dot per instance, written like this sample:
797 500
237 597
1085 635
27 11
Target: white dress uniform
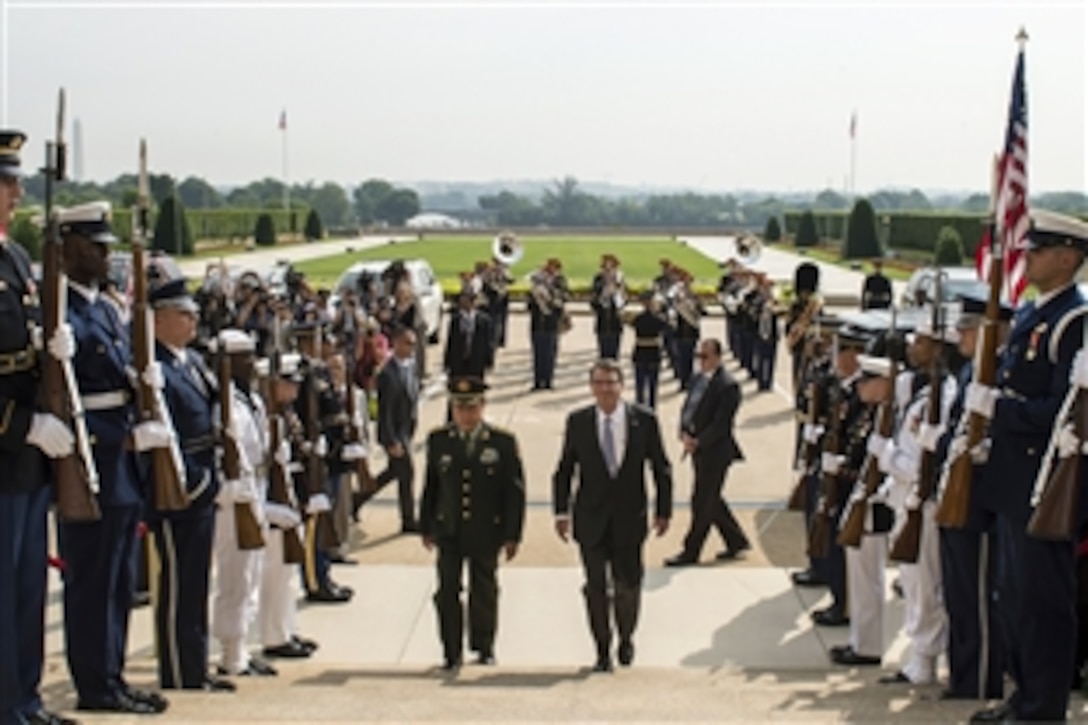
238 573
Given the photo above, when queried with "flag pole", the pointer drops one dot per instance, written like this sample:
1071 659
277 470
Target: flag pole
286 181
853 153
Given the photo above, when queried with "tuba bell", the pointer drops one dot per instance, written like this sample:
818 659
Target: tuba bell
748 249
507 248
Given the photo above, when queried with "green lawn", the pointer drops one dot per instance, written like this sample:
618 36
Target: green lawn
449 256
832 256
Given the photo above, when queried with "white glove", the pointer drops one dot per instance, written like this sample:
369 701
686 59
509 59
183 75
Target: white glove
321 448
244 491
152 376
62 345
1078 373
981 453
957 448
981 399
831 463
150 434
227 492
280 516
811 433
884 458
353 452
912 502
876 444
318 503
51 435
283 455
883 491
929 435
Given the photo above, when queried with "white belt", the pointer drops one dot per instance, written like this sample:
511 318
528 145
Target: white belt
106 401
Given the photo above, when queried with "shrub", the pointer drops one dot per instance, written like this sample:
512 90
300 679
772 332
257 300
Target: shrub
861 238
807 236
772 232
264 233
948 250
314 228
172 234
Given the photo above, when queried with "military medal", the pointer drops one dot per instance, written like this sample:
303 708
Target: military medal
1033 343
489 456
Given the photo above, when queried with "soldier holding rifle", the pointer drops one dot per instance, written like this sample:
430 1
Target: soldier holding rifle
29 439
1037 586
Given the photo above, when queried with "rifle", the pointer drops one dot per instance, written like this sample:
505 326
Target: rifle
168 468
320 532
355 433
956 499
1056 496
810 451
907 544
819 543
76 474
853 525
246 525
279 490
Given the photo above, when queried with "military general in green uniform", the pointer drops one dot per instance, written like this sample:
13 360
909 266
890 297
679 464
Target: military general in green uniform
473 506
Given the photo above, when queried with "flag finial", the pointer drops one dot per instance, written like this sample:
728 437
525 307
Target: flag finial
1022 36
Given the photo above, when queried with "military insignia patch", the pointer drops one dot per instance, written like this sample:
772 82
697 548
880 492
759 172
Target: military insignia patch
1033 343
489 456
445 460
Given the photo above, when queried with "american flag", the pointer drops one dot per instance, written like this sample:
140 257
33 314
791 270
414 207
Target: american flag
1010 203
853 124
283 120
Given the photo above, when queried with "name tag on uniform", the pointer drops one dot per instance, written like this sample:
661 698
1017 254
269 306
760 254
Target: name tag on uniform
489 456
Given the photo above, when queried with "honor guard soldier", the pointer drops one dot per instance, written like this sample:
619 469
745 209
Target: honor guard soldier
969 555
183 539
100 556
607 303
1037 590
803 312
876 290
650 326
473 507
28 438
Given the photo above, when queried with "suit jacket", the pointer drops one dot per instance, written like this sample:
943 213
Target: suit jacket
603 505
1033 376
192 412
480 354
397 406
712 422
478 500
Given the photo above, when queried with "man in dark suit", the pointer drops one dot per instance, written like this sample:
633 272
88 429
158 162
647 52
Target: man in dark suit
398 399
610 443
473 506
470 349
706 429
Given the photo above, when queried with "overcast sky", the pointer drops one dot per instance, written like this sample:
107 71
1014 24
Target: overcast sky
713 96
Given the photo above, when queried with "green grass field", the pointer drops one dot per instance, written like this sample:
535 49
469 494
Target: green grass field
581 256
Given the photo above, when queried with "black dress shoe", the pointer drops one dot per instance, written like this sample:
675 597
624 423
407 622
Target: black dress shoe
731 554
451 665
830 617
255 668
118 703
216 684
681 560
898 678
486 657
852 659
305 643
289 650
344 560
409 528
329 595
154 699
1001 713
44 717
625 653
603 664
807 578
140 599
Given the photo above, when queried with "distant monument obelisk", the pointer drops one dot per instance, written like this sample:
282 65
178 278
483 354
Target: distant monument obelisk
77 150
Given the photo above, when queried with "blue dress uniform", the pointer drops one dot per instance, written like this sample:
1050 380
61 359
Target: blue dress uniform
100 556
608 325
183 539
544 334
24 495
1037 589
766 346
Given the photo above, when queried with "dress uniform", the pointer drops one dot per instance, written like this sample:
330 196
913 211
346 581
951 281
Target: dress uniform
473 505
876 290
183 539
100 556
727 290
650 327
1037 588
24 494
607 304
545 316
767 333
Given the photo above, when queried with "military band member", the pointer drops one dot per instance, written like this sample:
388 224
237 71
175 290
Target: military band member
804 310
610 443
766 341
607 302
546 315
728 286
100 556
238 572
650 326
663 286
473 507
689 314
969 555
1036 590
183 539
876 291
28 439
497 291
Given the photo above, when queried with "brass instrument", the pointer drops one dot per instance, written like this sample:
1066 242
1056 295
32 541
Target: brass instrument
507 249
686 304
801 325
612 291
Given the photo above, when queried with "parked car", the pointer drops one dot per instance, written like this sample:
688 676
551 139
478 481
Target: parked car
424 283
922 286
121 268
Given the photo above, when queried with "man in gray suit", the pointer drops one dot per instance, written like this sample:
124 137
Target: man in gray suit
398 398
610 443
